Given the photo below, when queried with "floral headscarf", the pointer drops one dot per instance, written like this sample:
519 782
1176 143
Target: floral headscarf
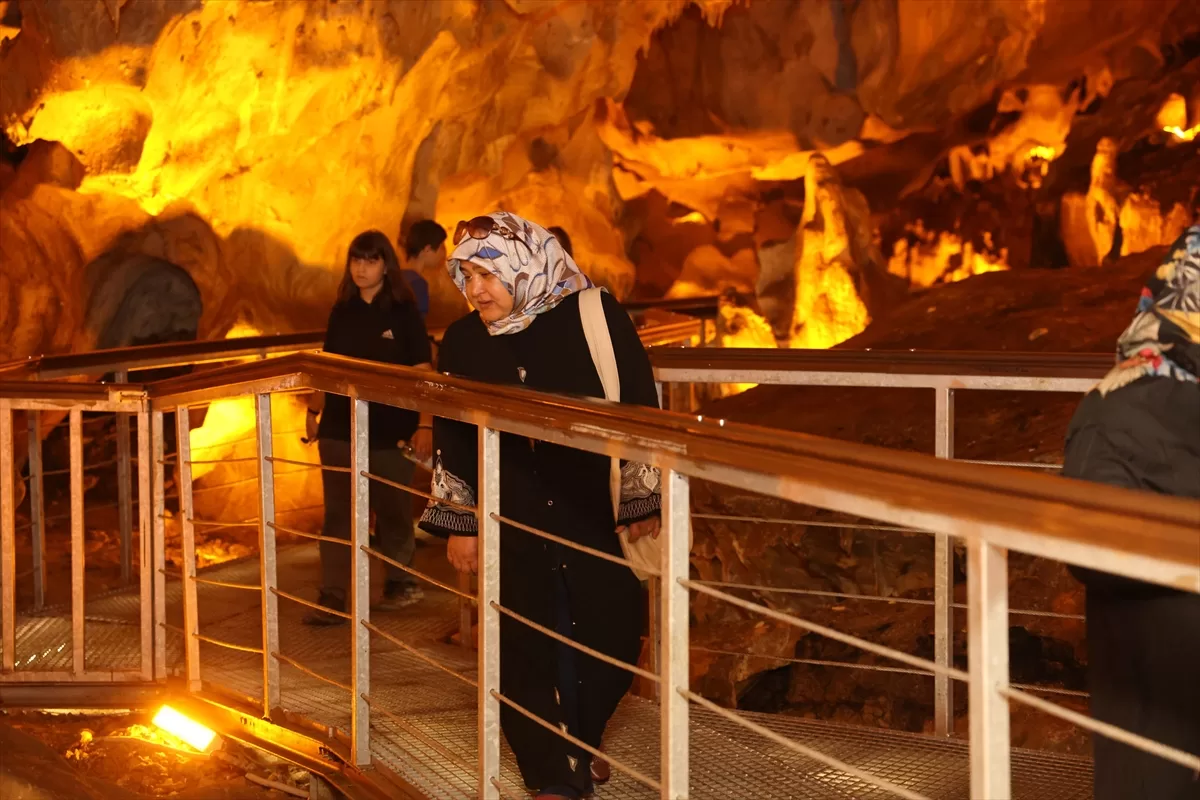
1164 337
530 263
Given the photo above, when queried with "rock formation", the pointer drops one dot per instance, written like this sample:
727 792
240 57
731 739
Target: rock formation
833 252
287 127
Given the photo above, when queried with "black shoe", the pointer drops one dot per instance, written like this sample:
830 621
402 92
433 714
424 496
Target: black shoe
398 595
324 618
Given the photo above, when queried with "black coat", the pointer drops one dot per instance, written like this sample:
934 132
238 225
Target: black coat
564 492
1143 640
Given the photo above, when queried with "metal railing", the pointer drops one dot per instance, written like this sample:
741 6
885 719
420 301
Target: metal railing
76 400
942 372
992 510
121 362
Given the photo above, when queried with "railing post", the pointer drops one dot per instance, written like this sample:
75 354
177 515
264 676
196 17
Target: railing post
78 658
489 617
943 578
191 614
268 567
8 540
987 659
158 542
654 633
37 508
673 736
360 582
145 547
124 488
465 640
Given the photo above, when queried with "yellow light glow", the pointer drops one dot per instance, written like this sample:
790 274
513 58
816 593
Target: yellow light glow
1042 152
176 724
1182 134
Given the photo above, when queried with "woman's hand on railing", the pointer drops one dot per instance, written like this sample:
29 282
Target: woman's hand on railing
463 553
647 527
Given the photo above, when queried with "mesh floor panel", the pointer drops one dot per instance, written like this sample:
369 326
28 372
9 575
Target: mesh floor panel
431 741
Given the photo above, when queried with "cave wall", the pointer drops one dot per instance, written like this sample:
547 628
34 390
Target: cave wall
252 140
288 127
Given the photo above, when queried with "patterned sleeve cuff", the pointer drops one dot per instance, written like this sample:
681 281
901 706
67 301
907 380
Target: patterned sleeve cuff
640 496
451 512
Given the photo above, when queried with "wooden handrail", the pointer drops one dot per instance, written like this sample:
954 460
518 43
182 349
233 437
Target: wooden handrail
1098 527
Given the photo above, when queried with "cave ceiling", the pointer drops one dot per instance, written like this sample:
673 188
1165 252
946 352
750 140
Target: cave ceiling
248 141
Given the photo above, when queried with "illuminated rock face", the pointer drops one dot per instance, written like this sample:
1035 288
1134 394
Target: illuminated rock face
832 245
248 142
304 123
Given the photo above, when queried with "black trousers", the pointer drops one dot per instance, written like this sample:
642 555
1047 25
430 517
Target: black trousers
392 507
1143 640
598 605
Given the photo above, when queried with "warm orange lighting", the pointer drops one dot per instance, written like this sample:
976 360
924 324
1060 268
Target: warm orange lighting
189 731
942 257
1182 134
1043 152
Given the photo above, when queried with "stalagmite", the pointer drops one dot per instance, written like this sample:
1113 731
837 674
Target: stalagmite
828 308
1089 222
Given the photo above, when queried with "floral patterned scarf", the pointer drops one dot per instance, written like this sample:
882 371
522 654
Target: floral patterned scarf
1164 337
528 260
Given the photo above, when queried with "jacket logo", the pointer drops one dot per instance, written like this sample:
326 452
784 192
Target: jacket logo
388 334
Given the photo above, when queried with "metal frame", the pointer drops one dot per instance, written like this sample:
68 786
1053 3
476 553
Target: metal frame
8 544
268 572
979 371
676 657
489 615
360 583
191 612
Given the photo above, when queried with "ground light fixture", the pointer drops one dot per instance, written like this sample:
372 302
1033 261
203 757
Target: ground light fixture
181 727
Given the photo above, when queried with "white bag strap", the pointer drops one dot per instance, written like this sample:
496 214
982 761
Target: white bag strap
595 329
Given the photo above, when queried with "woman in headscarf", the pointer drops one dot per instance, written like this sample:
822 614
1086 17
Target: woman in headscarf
1140 429
526 329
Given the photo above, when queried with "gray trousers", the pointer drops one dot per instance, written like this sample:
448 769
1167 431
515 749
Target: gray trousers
392 507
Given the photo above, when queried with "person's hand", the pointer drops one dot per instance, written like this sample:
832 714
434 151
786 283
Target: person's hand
422 444
310 427
647 527
463 553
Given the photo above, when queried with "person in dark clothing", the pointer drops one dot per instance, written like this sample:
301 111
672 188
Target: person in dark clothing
424 249
527 330
1140 429
564 240
375 318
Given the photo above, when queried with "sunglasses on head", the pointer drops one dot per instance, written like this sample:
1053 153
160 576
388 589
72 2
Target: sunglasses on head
481 228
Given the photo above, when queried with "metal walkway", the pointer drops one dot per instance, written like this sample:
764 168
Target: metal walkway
424 725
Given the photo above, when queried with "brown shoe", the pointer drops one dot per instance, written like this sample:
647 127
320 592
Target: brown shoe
601 772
